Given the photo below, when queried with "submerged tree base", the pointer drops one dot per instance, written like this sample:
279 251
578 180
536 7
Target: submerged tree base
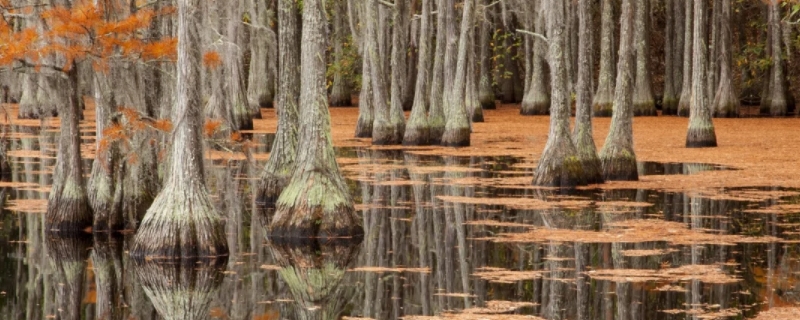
620 166
727 111
456 137
488 104
386 135
182 222
416 136
364 128
645 109
559 171
68 214
535 108
669 106
701 138
603 109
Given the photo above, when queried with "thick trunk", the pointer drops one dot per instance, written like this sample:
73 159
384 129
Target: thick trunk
366 118
485 92
669 101
182 221
582 135
240 113
604 98
340 88
436 119
688 50
457 129
385 130
260 83
618 157
68 209
418 130
559 165
643 99
726 102
103 182
279 167
701 129
537 101
316 202
400 45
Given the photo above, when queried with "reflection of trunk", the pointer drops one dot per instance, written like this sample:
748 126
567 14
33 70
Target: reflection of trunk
107 263
67 257
582 287
181 290
421 223
458 210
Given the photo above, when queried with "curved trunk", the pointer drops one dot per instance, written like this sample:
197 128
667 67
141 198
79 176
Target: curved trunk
68 209
701 129
418 130
537 101
688 50
182 222
340 89
726 102
643 101
457 129
278 169
618 157
316 202
559 165
485 92
436 119
603 101
582 135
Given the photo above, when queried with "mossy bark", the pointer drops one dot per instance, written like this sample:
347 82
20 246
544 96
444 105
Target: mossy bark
182 222
701 129
643 100
68 209
603 101
457 130
618 157
316 202
417 129
278 169
582 136
684 102
559 165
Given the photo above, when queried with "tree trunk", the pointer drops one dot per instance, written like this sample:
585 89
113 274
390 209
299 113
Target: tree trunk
701 128
436 119
604 98
418 130
366 118
67 258
537 101
105 176
669 101
316 202
726 102
182 221
68 209
485 92
107 265
278 169
583 133
559 165
472 104
340 88
260 83
643 101
457 129
618 157
777 93
240 113
678 24
400 45
384 129
181 290
686 87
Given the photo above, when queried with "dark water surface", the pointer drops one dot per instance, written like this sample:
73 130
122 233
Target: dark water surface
443 234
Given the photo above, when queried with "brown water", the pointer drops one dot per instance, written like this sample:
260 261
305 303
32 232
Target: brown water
445 236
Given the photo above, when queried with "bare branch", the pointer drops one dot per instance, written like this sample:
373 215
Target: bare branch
530 33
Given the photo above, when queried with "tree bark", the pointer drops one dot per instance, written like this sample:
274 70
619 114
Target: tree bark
400 46
618 157
67 258
604 98
457 129
384 128
669 101
776 97
105 176
643 100
726 102
316 202
559 165
240 113
418 129
436 119
485 92
280 165
537 100
688 43
261 82
340 88
701 128
181 290
582 136
182 221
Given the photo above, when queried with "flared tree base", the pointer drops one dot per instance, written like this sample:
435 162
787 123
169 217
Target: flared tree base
535 108
315 206
727 111
181 223
683 109
456 137
560 170
669 106
364 128
488 103
619 166
645 109
592 171
603 110
383 135
269 189
341 101
477 115
68 214
701 138
416 136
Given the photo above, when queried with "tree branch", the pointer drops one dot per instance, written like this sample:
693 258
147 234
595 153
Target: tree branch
533 34
386 3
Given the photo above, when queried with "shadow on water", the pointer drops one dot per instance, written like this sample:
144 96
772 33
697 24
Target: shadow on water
456 237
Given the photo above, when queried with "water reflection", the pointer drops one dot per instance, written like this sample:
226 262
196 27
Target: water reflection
67 258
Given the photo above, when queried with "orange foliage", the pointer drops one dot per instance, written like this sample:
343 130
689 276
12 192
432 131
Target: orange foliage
163 125
211 126
211 59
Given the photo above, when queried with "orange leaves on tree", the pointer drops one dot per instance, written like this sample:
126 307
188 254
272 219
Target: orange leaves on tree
163 125
212 60
161 49
211 126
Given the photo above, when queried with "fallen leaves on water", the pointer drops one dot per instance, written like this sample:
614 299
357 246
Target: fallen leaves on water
28 205
704 273
500 275
384 270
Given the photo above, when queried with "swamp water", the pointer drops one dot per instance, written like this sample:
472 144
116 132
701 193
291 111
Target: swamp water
445 237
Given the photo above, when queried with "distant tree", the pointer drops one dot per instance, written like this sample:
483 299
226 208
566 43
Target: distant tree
537 99
388 126
485 91
340 87
775 102
643 100
457 128
726 102
604 97
263 52
669 101
582 135
436 119
686 87
418 129
701 128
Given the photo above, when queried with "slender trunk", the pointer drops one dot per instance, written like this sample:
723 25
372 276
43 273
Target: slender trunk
457 129
182 221
107 265
537 101
436 108
316 202
618 157
726 102
240 114
485 92
260 83
400 46
582 136
418 128
688 43
472 104
278 169
777 95
559 165
669 101
678 24
67 258
340 88
643 99
102 184
604 98
701 128
384 130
